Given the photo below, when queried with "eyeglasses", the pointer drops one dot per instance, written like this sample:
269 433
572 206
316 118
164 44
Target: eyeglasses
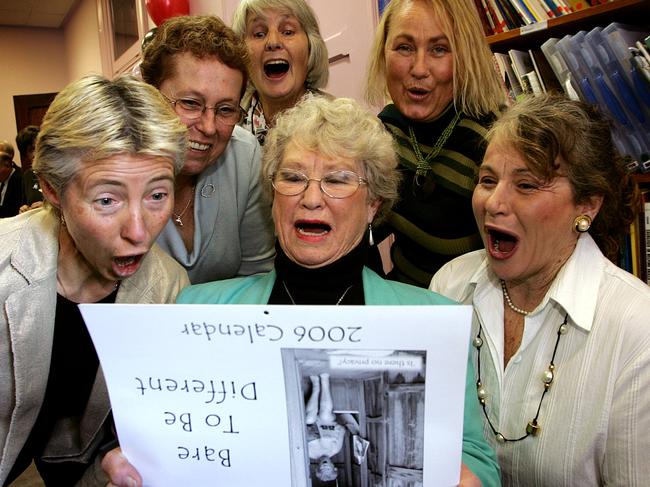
193 110
335 184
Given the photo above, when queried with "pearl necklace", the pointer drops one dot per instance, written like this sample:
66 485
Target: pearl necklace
177 217
533 427
337 303
509 301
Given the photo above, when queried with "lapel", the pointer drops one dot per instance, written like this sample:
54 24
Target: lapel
30 323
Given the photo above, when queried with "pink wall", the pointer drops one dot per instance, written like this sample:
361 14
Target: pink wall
45 60
34 62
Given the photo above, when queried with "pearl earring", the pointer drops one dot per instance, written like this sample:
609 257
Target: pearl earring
582 223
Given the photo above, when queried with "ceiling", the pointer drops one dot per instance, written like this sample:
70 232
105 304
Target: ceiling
34 13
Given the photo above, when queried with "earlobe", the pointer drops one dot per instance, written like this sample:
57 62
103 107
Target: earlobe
373 207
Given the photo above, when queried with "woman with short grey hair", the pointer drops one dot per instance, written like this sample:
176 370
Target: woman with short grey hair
288 58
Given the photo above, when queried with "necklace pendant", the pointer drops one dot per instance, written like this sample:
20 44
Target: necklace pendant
533 428
178 221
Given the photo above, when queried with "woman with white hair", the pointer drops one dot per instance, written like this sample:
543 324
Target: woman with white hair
288 57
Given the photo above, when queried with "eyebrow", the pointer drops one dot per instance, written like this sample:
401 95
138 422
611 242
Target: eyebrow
410 37
120 183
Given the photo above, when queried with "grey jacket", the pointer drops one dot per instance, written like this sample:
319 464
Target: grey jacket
28 264
233 232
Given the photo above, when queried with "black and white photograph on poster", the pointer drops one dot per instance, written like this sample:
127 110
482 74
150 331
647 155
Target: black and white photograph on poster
292 396
356 415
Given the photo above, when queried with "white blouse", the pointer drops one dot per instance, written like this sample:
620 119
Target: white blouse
595 419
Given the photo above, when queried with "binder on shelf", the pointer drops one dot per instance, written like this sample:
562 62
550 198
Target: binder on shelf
510 80
523 67
621 81
595 90
560 68
547 78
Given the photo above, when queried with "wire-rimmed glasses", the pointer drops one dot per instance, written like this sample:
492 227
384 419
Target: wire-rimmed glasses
335 184
193 109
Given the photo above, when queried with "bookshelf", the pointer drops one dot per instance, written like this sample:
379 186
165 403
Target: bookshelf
636 256
627 11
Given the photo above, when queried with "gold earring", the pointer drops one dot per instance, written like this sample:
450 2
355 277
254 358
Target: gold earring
582 223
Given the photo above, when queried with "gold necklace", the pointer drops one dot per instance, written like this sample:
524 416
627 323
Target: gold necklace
423 166
533 427
177 217
337 303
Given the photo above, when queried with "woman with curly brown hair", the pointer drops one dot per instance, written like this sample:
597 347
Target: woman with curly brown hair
220 227
562 342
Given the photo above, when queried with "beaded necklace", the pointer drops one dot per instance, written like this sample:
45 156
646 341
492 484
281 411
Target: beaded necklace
533 427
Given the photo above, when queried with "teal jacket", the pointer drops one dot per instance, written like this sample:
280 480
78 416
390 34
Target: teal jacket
477 454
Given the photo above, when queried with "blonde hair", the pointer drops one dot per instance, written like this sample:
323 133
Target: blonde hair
337 128
477 87
94 118
317 63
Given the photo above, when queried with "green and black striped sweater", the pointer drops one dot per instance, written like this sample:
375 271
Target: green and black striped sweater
433 226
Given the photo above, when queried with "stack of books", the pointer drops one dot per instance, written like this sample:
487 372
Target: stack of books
503 15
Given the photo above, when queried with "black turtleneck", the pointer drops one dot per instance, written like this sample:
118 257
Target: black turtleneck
323 285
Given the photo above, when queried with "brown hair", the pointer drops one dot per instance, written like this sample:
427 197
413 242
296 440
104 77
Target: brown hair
201 35
550 130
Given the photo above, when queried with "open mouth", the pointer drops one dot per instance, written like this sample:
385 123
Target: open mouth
276 68
194 145
501 243
126 266
415 91
312 228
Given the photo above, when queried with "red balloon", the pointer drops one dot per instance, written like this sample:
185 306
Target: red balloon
161 10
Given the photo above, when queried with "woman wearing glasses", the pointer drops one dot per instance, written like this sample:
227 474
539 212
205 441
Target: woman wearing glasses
328 185
219 227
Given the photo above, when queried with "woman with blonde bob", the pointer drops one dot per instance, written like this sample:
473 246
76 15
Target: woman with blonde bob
430 58
288 58
106 157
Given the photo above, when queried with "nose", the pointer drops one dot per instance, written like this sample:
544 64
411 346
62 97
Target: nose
313 196
420 69
134 228
273 40
497 201
207 123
